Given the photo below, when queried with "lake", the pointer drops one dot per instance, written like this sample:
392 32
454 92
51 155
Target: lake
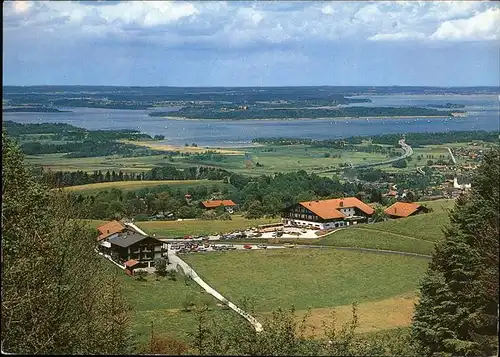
483 115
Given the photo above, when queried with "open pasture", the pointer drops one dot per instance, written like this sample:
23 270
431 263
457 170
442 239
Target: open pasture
315 278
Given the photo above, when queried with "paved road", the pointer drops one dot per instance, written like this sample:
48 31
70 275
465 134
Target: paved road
452 157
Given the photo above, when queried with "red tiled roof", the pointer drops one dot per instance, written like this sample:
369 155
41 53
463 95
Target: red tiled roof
109 229
328 209
217 203
130 263
402 209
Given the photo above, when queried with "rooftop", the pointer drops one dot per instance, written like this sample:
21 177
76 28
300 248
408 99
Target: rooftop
328 209
402 209
217 203
127 239
110 228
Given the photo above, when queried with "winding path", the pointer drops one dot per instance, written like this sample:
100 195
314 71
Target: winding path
408 151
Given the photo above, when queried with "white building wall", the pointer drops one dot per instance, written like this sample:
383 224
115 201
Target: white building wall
320 225
349 212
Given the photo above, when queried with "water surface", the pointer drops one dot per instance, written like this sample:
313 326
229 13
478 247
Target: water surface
483 115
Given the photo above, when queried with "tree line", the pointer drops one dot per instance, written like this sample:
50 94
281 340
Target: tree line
264 196
413 139
56 179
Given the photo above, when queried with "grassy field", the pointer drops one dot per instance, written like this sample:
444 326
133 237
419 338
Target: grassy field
135 185
271 158
316 278
161 303
367 238
165 147
194 227
56 162
415 234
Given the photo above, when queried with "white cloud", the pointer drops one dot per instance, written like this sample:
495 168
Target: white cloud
242 24
482 26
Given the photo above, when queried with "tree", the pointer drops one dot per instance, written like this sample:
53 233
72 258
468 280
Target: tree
225 217
379 214
458 310
400 164
140 275
58 295
254 210
209 215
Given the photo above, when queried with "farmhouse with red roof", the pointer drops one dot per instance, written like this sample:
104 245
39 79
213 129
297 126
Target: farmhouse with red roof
326 214
212 204
404 209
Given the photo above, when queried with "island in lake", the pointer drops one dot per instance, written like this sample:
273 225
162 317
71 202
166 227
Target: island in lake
447 106
260 112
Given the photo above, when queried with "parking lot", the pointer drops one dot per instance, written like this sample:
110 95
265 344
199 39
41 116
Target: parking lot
288 232
194 247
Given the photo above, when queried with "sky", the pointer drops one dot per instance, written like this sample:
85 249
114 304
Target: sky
251 43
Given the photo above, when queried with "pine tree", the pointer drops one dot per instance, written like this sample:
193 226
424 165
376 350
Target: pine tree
458 310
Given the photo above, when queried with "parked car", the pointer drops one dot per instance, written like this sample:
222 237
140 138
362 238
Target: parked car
288 245
247 246
262 246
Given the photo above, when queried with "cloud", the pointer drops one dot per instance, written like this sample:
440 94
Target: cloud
482 26
229 25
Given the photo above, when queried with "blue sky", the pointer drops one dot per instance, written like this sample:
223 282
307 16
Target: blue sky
257 43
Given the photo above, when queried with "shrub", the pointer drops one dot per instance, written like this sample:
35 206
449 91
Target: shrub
140 275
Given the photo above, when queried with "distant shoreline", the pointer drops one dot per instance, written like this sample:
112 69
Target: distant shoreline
332 118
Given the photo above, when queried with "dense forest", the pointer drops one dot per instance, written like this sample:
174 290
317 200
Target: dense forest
88 148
